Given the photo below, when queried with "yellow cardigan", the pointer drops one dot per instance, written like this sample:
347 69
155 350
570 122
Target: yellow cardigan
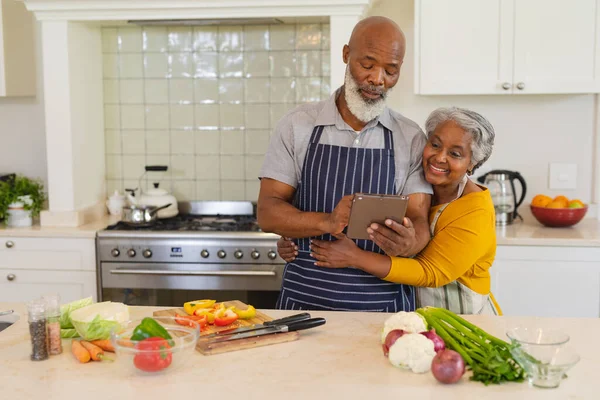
463 247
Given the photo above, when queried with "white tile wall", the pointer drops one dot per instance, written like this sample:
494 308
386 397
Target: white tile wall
204 101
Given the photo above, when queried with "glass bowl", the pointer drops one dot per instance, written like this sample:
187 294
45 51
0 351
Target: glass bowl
155 356
542 354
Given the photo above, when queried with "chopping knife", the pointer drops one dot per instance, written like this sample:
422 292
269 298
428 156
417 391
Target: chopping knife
280 321
290 327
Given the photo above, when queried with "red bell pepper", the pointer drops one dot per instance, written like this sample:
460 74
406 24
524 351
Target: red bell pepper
155 354
188 320
226 318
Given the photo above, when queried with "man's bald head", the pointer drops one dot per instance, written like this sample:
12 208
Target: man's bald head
379 33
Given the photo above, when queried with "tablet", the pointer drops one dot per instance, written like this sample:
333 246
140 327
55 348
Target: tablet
369 208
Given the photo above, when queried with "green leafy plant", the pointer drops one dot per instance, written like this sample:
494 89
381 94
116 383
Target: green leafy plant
11 191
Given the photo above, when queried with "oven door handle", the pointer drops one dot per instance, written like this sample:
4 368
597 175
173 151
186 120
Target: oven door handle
190 273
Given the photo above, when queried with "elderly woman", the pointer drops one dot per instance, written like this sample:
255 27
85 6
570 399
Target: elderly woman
452 271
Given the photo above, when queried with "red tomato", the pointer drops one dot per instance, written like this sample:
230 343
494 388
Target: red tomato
155 355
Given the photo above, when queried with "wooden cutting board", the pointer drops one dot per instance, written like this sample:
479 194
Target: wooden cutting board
208 348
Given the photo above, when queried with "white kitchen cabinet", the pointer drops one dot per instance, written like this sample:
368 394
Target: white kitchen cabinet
31 267
547 281
507 46
17 50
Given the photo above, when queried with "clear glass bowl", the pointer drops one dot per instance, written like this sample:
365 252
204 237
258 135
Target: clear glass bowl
162 357
542 354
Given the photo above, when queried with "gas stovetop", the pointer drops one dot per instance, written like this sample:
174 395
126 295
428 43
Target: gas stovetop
196 223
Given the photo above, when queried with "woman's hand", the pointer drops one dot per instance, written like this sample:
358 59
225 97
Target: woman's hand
394 239
341 253
287 249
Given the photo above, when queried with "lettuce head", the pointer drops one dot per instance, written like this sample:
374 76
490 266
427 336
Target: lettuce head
67 309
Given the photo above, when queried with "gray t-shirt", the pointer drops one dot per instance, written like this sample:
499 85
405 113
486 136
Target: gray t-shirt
285 157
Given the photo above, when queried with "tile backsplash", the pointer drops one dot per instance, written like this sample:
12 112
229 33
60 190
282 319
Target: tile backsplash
204 100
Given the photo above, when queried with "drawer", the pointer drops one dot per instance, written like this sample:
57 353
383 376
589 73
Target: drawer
47 253
25 285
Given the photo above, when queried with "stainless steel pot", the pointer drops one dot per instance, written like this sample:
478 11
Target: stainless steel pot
137 215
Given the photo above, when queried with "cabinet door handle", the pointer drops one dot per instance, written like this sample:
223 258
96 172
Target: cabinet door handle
520 86
10 244
11 277
506 86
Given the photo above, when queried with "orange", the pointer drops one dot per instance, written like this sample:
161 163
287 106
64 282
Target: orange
563 200
576 204
556 204
541 200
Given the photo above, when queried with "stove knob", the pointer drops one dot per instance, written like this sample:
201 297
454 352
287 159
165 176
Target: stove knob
238 254
255 254
204 253
272 255
221 254
131 253
147 253
115 253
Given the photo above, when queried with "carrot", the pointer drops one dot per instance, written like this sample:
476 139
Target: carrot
96 352
105 345
80 353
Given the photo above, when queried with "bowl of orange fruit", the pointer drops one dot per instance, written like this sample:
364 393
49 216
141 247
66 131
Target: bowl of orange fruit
559 211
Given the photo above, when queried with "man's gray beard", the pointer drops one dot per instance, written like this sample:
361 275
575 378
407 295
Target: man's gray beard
361 108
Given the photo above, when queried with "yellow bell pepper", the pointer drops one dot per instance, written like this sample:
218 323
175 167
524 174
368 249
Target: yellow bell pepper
210 317
191 306
248 313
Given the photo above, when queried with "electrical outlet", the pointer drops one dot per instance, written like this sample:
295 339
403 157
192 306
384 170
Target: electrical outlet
563 176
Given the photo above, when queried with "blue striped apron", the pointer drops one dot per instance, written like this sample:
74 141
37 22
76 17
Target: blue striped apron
329 173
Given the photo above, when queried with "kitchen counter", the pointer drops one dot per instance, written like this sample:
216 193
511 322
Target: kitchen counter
340 360
83 231
531 233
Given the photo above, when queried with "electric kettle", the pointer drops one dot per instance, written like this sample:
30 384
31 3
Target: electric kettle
501 185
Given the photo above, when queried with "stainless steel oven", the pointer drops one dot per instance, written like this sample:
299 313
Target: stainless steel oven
193 256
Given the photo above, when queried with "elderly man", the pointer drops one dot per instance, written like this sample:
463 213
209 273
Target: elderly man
322 153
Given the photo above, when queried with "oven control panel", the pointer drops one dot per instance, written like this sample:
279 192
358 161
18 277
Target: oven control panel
137 251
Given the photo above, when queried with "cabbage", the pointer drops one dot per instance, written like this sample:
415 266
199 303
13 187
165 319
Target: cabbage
68 333
96 321
67 309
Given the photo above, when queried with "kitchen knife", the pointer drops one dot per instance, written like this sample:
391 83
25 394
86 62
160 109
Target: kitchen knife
280 321
291 327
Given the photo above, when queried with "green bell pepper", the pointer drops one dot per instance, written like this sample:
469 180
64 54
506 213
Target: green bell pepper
150 328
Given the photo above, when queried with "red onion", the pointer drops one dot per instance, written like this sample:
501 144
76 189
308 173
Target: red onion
448 366
390 339
438 342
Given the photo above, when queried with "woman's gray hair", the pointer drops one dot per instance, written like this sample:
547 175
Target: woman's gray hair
474 123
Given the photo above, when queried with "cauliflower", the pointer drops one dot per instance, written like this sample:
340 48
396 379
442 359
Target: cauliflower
409 322
412 351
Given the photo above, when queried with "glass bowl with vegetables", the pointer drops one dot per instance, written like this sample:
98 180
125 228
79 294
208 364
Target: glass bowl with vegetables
542 354
154 345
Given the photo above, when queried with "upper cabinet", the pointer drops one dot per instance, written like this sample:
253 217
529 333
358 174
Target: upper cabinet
17 50
506 46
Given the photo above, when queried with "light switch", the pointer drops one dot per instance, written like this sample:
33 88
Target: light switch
563 176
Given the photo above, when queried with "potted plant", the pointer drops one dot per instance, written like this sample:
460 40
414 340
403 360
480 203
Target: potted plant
20 200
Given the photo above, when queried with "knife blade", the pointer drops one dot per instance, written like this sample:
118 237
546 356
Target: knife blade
280 321
291 327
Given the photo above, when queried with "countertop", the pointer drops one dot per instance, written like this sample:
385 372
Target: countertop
83 231
340 360
521 233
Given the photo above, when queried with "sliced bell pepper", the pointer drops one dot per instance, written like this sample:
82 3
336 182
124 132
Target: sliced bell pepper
226 318
210 317
248 313
191 306
190 320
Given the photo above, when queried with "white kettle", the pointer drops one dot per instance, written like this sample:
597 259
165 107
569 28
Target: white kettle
159 197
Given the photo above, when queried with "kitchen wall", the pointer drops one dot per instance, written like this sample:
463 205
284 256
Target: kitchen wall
22 134
204 100
531 130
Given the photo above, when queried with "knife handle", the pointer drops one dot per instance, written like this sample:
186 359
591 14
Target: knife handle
305 324
288 320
